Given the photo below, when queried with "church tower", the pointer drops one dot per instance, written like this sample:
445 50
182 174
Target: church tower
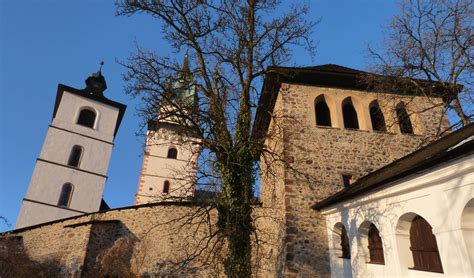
71 171
170 158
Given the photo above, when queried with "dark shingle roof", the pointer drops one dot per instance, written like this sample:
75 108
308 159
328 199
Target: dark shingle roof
328 75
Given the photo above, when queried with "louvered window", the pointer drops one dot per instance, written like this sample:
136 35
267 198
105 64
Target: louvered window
346 252
424 247
375 246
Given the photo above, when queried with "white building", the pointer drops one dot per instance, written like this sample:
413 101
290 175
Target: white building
169 162
71 171
413 217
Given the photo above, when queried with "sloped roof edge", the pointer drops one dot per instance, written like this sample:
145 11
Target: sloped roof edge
443 150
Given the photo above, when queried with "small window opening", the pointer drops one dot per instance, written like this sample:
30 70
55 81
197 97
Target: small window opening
375 246
347 179
75 156
424 247
166 187
404 119
349 114
65 196
323 114
172 153
86 118
376 117
346 253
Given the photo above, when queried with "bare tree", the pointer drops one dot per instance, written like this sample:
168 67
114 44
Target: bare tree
231 43
430 40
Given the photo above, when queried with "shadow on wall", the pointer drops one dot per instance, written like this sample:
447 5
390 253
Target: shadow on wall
14 261
109 249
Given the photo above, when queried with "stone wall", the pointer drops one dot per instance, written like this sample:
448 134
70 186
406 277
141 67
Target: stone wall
164 239
316 157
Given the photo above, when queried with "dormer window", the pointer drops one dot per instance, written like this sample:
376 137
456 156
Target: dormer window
86 118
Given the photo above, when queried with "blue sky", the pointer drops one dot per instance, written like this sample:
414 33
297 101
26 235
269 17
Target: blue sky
43 43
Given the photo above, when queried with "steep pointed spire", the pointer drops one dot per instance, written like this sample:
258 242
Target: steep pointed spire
185 72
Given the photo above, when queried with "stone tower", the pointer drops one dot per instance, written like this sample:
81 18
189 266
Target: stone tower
329 130
169 162
71 171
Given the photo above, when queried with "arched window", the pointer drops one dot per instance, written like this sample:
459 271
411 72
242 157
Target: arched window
403 119
375 245
424 247
166 187
172 153
376 117
346 253
349 114
86 118
66 195
467 227
75 156
323 114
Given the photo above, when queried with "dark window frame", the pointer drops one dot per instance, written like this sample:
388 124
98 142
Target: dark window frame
345 245
75 157
87 117
424 247
375 246
65 195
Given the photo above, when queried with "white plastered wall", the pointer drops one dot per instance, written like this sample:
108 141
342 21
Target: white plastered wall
51 171
439 195
180 172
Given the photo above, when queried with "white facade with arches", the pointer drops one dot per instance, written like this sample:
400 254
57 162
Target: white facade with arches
443 195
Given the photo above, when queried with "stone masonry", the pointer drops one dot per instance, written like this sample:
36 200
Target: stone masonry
316 157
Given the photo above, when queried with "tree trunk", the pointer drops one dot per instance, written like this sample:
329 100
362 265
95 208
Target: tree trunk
235 216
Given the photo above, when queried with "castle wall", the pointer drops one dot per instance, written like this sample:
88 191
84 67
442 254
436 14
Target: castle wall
158 237
316 157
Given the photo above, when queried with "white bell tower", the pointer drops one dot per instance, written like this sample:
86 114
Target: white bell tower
71 170
169 162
